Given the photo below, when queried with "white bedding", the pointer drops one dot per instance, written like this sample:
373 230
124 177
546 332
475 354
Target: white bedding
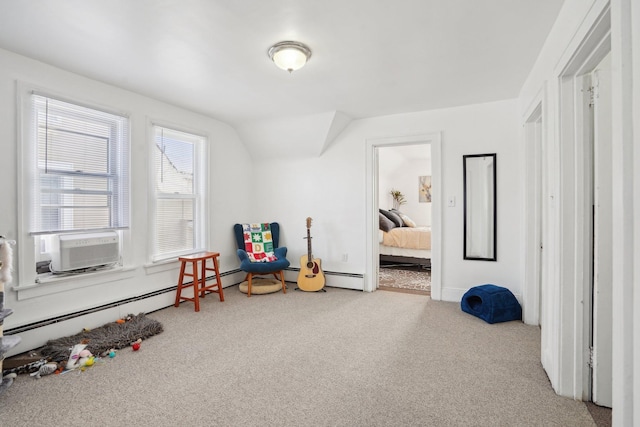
405 252
413 253
408 237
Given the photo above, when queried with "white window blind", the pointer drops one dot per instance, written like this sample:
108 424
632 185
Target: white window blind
81 168
178 198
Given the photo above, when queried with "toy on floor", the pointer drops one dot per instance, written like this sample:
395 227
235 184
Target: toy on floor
80 357
136 345
86 358
111 353
46 369
74 357
124 320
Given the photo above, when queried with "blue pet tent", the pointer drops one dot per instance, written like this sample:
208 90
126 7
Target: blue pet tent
491 303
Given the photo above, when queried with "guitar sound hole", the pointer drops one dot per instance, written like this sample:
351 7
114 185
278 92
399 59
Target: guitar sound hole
310 265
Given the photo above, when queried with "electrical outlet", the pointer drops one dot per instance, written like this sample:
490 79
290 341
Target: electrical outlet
452 201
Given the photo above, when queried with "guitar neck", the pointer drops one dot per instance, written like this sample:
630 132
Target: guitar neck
309 256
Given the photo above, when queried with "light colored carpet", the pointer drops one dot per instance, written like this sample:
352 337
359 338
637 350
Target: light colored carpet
418 280
340 358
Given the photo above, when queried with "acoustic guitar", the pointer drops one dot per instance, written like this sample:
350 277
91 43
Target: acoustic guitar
311 277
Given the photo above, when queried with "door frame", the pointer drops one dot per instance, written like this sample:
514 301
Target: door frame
371 205
536 193
573 305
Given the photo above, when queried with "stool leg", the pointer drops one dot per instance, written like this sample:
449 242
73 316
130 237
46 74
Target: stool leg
180 280
249 276
203 278
196 284
217 270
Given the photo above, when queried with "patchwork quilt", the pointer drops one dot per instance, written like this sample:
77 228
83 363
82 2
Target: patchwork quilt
258 242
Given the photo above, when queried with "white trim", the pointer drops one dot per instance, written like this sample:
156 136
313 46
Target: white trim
371 205
572 304
201 185
625 55
55 284
534 125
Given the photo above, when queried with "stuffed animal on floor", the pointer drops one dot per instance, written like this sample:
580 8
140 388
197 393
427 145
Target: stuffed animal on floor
74 358
46 369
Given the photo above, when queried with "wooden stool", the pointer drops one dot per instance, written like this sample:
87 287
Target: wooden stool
199 282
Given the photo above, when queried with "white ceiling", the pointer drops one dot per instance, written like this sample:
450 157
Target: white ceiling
370 57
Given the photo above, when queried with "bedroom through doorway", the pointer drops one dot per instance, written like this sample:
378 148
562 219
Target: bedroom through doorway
404 194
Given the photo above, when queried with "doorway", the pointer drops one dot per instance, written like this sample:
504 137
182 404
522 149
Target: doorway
373 201
404 190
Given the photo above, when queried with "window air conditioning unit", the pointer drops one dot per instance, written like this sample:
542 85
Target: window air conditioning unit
80 251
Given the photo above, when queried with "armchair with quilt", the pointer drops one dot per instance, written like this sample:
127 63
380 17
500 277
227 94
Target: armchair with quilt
259 252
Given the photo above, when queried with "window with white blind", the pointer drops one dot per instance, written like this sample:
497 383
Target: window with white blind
178 182
80 168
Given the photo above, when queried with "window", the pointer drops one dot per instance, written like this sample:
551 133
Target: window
80 167
178 226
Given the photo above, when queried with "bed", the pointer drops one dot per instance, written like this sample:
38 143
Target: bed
402 244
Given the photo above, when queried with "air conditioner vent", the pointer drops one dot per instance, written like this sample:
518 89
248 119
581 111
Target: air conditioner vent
86 250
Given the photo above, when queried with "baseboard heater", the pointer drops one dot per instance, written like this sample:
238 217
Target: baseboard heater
69 316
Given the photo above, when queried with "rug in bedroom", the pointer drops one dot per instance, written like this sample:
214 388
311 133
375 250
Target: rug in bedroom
405 279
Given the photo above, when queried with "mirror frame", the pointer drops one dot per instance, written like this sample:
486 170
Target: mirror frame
467 161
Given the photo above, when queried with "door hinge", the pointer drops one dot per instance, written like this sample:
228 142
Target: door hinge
591 357
593 94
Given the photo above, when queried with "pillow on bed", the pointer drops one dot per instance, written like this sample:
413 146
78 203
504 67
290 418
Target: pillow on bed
406 221
385 223
393 217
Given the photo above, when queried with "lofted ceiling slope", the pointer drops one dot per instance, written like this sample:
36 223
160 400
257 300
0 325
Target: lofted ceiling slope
370 58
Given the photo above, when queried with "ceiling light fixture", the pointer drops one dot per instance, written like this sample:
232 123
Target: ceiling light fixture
289 55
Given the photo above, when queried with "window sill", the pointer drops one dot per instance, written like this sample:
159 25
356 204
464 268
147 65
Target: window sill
160 266
47 284
166 264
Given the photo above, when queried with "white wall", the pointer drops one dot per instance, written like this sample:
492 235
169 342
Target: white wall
230 181
331 189
399 171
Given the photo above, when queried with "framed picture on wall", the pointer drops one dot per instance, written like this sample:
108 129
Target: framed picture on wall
424 189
